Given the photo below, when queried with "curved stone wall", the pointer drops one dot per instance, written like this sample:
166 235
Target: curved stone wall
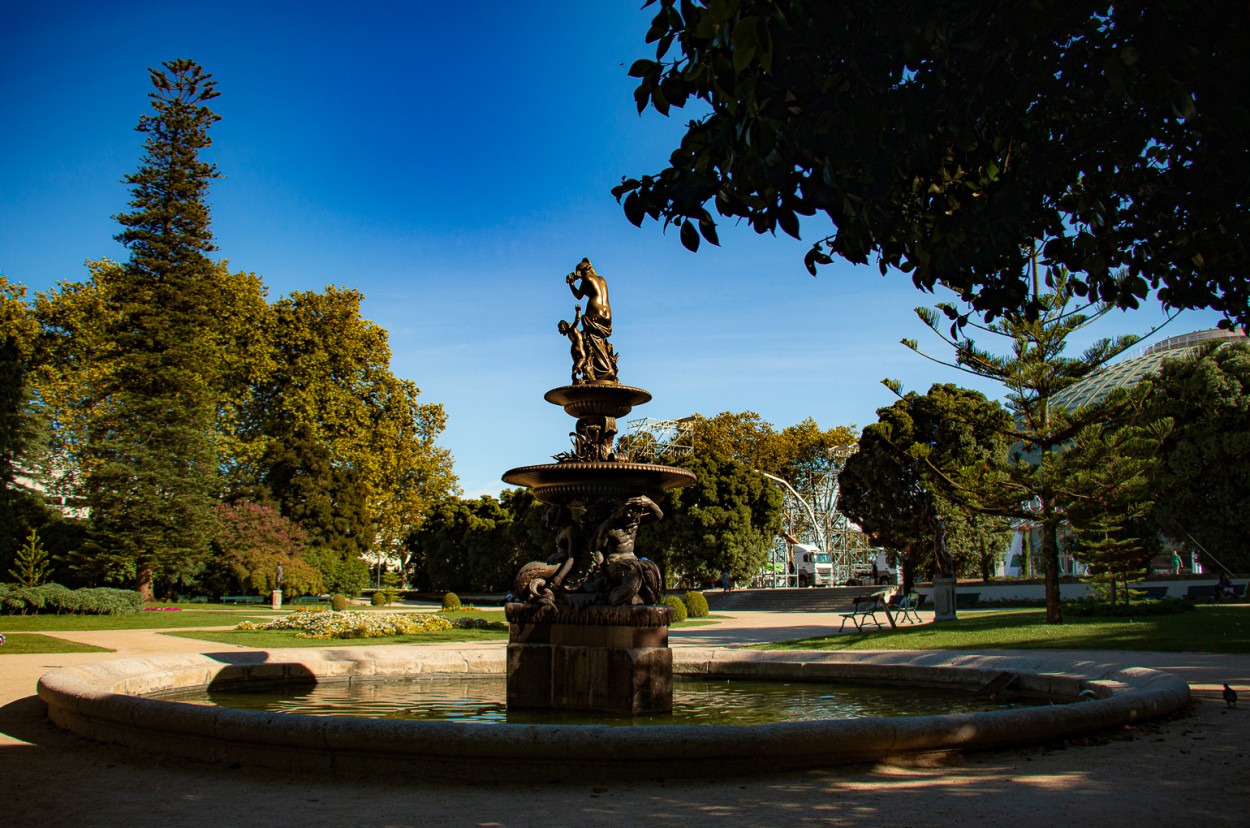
105 701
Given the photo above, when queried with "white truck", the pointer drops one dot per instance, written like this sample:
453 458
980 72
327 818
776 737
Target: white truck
812 566
863 574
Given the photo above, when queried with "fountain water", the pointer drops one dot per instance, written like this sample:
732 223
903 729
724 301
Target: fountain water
587 631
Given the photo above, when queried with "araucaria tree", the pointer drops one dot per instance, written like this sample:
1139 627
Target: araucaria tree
1031 486
152 472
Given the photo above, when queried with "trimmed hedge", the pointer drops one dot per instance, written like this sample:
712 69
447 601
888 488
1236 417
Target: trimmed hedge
55 599
696 604
678 606
451 602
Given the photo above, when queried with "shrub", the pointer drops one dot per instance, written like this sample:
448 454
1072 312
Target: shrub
379 598
338 603
54 598
679 608
696 604
451 602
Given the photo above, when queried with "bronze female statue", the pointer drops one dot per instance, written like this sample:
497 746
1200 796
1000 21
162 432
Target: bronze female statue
596 321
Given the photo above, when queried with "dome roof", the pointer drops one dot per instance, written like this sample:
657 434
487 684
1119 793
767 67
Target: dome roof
1127 373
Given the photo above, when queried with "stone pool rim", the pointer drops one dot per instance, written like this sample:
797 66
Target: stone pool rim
106 701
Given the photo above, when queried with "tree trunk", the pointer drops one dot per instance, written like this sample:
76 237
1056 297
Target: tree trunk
1050 561
144 584
907 569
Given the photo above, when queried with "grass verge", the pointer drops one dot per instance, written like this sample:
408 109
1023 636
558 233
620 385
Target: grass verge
226 616
1213 629
30 643
201 616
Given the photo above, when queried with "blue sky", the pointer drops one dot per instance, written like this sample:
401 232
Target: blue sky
453 162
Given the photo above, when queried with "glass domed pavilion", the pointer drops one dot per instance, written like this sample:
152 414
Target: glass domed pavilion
1145 362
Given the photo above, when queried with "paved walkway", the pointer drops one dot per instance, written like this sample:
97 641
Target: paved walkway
1190 769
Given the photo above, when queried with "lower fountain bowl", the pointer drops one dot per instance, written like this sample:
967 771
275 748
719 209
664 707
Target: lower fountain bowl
104 700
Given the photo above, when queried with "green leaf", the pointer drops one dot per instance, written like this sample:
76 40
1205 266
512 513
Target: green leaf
633 209
689 236
708 229
640 68
788 222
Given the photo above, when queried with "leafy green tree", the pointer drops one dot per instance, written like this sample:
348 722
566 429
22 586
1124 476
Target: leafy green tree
24 465
350 450
805 451
343 574
251 542
465 545
725 521
802 455
977 542
153 471
795 452
939 135
1202 476
889 489
329 502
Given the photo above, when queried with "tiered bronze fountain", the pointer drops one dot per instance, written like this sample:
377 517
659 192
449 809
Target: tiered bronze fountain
587 629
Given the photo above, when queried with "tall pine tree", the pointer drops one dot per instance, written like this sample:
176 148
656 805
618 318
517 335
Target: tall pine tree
1029 485
153 473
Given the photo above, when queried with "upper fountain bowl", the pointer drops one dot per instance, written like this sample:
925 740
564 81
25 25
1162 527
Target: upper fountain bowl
594 399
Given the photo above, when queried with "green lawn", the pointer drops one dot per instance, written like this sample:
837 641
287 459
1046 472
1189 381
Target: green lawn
194 615
1214 629
217 617
28 643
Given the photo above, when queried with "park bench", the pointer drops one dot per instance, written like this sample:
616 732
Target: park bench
242 599
863 609
310 599
906 607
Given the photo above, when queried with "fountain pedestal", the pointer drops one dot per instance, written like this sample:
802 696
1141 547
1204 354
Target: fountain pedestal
594 658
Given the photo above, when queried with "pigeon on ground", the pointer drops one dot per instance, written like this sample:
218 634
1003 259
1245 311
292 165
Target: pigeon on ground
1230 696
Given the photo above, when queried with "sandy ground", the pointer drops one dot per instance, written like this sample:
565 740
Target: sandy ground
1189 769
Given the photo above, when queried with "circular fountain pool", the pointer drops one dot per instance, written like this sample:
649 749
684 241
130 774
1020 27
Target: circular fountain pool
696 701
113 701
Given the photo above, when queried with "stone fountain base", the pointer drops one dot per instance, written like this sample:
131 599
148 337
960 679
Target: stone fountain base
594 658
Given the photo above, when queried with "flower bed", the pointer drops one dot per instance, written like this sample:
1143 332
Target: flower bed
320 624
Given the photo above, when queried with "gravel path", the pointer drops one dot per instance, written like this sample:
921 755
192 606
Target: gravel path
1189 769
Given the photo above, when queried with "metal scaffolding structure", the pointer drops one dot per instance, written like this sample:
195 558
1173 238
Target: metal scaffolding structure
657 441
809 514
